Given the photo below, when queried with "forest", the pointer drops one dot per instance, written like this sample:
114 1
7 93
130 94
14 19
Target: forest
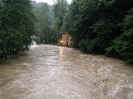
102 27
96 26
16 26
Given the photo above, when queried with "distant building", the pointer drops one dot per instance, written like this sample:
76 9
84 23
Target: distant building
66 40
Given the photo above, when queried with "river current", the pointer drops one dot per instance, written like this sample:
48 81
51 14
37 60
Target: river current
54 72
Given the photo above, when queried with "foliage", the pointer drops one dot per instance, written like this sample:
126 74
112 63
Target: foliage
95 25
50 21
73 21
123 45
48 18
16 26
60 10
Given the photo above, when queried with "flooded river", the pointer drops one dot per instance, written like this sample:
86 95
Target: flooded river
53 72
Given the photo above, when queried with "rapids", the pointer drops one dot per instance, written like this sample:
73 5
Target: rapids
54 72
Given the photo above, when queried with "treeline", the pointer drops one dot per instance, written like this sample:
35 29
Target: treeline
22 21
16 26
102 27
45 18
50 21
96 26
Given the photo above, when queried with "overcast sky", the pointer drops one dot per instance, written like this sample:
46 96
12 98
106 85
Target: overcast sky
49 1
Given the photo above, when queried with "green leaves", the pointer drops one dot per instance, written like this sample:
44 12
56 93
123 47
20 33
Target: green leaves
44 24
60 10
16 25
97 26
123 45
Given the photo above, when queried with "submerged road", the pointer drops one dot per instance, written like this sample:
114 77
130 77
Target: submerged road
53 72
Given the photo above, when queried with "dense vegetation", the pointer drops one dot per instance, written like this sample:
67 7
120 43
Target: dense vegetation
102 26
16 26
44 26
50 21
22 21
96 26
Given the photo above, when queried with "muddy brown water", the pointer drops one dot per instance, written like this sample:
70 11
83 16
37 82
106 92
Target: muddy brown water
53 72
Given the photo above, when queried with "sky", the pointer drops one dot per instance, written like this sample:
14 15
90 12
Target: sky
49 1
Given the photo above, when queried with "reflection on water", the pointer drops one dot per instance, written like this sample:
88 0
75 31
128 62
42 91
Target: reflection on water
52 72
61 50
61 53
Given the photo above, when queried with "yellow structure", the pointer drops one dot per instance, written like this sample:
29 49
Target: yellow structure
66 40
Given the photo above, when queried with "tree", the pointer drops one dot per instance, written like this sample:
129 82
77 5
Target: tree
17 26
73 22
60 10
45 21
93 24
122 46
96 26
